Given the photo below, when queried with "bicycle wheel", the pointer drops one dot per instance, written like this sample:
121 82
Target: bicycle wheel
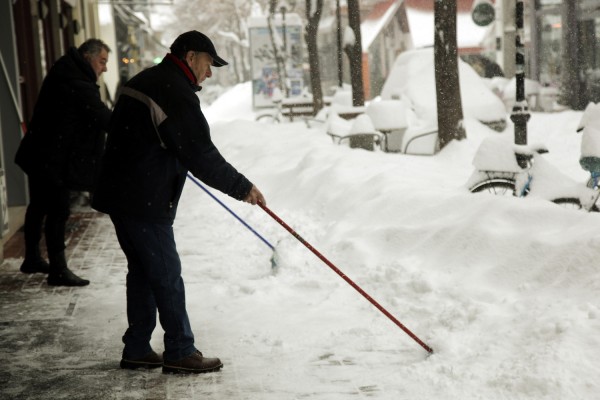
267 119
572 203
495 186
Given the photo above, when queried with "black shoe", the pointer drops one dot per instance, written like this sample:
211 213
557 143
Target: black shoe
150 361
65 277
193 364
32 266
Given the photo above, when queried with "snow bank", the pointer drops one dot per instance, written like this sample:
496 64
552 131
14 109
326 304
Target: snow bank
504 289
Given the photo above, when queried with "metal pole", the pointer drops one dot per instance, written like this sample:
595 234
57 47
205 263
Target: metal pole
265 241
285 48
283 10
338 17
520 112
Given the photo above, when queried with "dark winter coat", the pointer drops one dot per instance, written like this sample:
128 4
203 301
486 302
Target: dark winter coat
157 134
66 135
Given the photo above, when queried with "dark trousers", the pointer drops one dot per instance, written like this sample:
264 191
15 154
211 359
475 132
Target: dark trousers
49 201
154 283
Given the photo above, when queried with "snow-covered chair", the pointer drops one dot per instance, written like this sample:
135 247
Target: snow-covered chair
337 127
363 134
389 118
359 132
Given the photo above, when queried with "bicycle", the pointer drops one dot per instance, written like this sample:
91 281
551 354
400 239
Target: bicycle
273 115
497 171
594 180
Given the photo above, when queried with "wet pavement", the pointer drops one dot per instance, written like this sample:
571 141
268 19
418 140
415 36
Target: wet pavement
54 345
65 343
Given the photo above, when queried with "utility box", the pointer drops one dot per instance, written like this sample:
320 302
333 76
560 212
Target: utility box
276 57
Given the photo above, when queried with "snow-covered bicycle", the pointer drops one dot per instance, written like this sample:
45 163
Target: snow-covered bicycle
497 171
273 115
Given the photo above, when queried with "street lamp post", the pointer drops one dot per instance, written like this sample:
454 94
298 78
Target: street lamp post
283 9
520 112
338 17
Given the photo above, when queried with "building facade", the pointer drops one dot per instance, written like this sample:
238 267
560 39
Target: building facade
33 35
565 49
384 33
562 46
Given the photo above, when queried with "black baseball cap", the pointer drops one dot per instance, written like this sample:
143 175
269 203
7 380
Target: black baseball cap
197 41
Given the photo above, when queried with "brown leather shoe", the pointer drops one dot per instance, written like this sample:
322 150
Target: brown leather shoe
152 360
196 363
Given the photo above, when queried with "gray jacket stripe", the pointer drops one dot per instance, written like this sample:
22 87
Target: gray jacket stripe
156 113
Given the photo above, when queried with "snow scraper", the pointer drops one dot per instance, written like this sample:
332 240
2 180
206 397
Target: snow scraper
265 241
344 277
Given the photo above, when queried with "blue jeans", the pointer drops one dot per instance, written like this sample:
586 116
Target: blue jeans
154 283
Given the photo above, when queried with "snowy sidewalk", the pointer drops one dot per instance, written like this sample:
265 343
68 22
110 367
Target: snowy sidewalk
56 342
53 345
60 342
505 290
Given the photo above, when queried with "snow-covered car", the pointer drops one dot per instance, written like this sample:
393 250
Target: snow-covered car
412 79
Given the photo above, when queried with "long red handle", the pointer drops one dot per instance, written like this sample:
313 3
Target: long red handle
344 277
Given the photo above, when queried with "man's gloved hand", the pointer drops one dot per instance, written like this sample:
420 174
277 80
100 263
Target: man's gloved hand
255 196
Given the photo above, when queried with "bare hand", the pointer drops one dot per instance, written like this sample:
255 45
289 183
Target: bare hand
255 196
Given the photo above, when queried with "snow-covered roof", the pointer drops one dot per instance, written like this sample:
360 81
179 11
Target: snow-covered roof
412 77
374 23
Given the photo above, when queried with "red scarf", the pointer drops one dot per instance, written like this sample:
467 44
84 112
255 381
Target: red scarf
184 67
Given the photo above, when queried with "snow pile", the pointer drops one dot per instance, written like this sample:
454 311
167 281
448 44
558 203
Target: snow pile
413 78
388 114
362 124
496 154
337 126
228 107
590 127
505 290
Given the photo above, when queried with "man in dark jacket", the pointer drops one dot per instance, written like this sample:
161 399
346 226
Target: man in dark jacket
158 133
60 152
